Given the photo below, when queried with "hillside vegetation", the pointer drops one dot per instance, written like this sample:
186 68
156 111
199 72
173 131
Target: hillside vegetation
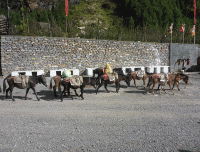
127 20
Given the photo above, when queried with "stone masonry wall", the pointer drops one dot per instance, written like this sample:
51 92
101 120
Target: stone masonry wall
46 53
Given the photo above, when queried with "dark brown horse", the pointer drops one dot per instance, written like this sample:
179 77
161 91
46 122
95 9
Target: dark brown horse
67 86
98 71
134 75
107 81
169 79
32 81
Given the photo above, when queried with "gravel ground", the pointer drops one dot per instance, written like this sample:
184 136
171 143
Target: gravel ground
131 120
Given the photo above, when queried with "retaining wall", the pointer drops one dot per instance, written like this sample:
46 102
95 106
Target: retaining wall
46 53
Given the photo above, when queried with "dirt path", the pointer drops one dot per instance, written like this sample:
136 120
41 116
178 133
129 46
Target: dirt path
130 120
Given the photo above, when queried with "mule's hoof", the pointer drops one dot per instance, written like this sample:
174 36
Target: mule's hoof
13 99
38 99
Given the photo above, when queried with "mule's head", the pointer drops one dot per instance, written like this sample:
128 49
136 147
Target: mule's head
42 79
186 79
128 80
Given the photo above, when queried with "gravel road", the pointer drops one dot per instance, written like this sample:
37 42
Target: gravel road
131 120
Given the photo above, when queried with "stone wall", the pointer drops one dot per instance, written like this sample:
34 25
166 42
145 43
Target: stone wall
41 53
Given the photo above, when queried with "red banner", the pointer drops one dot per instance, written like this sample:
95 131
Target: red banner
66 7
194 2
182 28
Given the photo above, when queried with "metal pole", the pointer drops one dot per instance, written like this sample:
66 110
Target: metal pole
194 32
8 23
66 27
171 37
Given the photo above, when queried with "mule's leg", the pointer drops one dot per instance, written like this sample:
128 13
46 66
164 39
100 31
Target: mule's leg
27 90
117 86
35 93
161 88
54 89
158 86
148 85
81 87
135 83
171 88
105 86
11 90
61 95
144 83
7 92
99 86
76 92
153 88
68 89
177 83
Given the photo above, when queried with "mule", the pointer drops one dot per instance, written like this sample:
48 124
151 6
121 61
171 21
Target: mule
176 79
57 79
107 81
133 75
68 85
155 78
183 77
32 81
99 72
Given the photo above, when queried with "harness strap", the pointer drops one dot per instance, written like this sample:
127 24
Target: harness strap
103 70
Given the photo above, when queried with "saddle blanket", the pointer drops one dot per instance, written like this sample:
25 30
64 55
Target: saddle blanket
164 77
140 73
76 80
111 76
67 79
23 79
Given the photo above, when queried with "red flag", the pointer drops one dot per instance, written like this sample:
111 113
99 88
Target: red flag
182 28
194 12
66 7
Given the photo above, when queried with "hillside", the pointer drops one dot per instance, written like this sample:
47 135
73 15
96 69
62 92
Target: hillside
132 20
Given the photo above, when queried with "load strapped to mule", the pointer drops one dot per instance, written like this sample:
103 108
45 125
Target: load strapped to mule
75 80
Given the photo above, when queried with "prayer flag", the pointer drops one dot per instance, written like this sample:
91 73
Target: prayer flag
193 31
66 7
170 28
182 28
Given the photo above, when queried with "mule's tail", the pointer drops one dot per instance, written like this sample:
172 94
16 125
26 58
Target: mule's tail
50 86
4 83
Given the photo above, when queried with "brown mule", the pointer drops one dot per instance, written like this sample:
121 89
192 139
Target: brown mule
57 80
133 75
171 78
32 81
